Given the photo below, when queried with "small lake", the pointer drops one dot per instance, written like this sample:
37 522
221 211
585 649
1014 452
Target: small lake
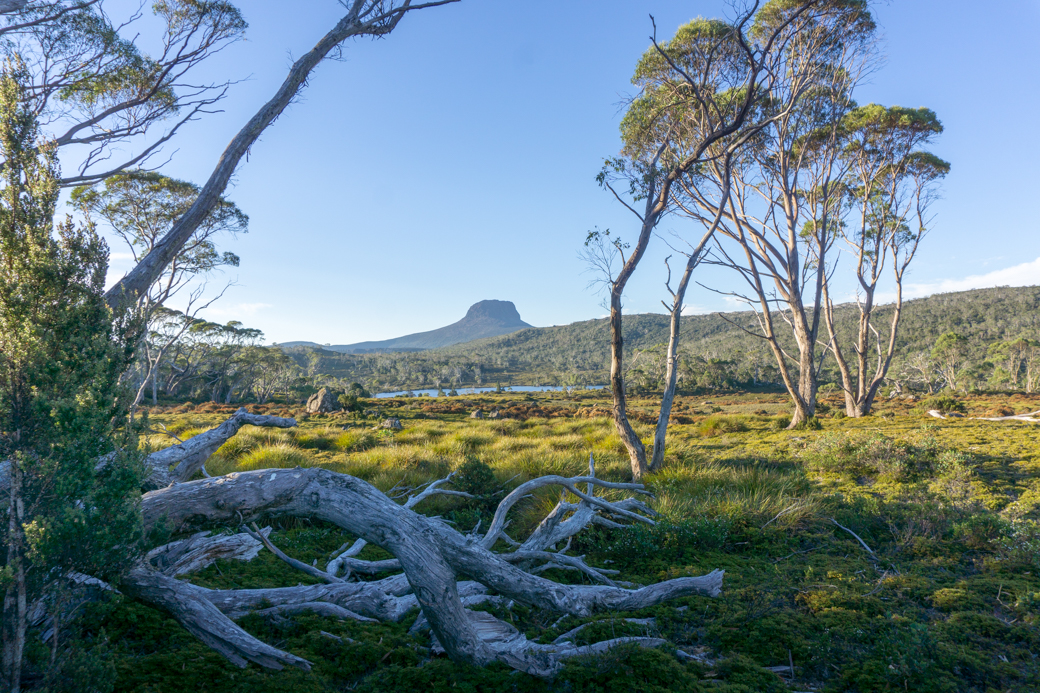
479 390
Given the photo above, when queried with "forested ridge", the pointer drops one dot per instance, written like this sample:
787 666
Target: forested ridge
579 353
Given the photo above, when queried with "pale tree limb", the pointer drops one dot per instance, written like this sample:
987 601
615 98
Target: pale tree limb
430 552
299 565
364 18
188 457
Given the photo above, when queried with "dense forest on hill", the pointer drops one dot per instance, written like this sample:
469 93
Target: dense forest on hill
714 353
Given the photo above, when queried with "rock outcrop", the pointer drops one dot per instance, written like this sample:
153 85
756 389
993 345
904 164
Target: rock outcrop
322 402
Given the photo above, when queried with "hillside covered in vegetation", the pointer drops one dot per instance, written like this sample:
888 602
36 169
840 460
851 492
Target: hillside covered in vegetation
715 352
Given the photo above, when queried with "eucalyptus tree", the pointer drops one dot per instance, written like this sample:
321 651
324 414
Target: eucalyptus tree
140 207
782 215
890 186
697 96
106 101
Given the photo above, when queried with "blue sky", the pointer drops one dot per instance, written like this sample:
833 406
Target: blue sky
455 160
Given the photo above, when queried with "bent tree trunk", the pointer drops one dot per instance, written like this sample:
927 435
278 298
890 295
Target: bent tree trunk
630 439
675 318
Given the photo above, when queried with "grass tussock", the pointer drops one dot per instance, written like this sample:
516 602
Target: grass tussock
949 600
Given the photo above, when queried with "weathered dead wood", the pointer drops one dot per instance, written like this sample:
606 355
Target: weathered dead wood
201 550
319 608
180 462
203 620
345 560
379 599
299 565
1031 417
430 552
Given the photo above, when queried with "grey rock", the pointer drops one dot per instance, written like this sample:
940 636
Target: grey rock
392 424
322 402
477 414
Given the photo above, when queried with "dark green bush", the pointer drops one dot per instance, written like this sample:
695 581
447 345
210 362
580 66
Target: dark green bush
474 476
944 404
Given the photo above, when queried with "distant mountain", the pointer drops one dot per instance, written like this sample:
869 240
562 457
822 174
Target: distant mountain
483 319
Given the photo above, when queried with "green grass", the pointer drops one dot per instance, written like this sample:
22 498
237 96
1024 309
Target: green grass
949 602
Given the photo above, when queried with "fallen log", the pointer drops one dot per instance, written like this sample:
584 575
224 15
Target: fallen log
1031 417
431 554
180 462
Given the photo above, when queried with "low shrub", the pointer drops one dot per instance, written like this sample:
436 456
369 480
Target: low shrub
856 455
475 477
944 404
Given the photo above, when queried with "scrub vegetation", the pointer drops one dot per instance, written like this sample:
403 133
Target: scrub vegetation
892 552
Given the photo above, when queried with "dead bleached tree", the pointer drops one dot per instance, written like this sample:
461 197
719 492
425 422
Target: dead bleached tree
429 558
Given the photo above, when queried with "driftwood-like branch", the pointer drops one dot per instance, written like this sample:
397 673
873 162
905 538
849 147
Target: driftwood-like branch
203 620
430 553
1031 417
299 565
179 463
345 560
203 549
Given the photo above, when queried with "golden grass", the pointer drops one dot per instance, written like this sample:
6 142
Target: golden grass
733 463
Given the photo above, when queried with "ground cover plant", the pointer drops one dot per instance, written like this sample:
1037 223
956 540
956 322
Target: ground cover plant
894 552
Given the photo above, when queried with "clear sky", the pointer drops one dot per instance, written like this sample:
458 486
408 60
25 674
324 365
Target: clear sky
455 160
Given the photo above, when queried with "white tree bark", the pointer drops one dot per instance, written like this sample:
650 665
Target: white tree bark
431 554
180 462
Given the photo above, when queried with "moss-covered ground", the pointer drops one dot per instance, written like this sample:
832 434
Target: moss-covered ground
948 600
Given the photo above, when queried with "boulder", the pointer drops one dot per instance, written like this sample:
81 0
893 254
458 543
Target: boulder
322 402
477 414
495 415
392 424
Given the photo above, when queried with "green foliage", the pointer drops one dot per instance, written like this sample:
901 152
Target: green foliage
350 403
61 405
475 477
944 404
